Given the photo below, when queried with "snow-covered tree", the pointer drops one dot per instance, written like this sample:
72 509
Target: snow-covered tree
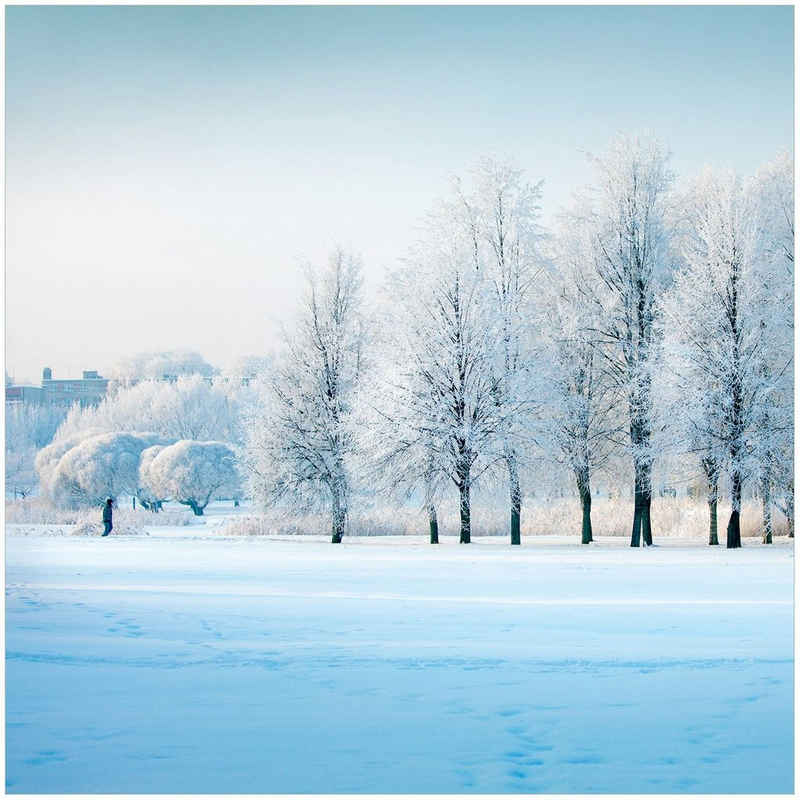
720 341
191 473
300 439
148 498
438 419
101 466
631 260
191 407
160 365
581 420
29 427
500 213
774 188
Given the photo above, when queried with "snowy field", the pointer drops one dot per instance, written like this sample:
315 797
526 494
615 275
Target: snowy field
185 662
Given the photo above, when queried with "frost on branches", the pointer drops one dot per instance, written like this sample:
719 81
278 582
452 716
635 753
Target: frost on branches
300 438
440 413
729 345
190 472
582 424
631 260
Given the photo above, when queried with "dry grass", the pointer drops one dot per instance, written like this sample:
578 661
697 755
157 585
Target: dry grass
683 516
39 511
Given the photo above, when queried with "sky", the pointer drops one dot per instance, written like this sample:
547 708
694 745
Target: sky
169 169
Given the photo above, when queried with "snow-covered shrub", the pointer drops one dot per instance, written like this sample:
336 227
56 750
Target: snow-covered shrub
101 466
192 473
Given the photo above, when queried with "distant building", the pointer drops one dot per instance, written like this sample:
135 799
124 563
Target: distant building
23 394
88 390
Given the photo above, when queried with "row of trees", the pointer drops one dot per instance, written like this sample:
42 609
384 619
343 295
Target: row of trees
654 325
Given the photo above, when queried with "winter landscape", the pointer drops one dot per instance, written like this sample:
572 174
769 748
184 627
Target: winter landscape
191 661
496 497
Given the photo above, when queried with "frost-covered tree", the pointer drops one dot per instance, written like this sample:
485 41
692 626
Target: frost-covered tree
300 439
721 344
48 457
631 260
439 419
191 473
149 498
101 466
500 213
161 365
191 407
29 428
581 422
774 190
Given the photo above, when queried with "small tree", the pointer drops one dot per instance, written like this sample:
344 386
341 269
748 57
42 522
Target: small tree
191 473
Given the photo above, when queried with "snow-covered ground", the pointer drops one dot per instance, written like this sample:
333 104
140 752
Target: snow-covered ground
186 662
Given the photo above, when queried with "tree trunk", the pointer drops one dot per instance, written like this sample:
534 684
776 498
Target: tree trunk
585 493
196 508
636 533
338 516
712 520
790 510
734 528
434 524
711 470
766 510
516 497
465 510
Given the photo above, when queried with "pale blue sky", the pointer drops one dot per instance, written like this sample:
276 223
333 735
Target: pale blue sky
168 166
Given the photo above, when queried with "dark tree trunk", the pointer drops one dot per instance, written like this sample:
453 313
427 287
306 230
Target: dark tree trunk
516 498
712 520
585 493
434 524
197 509
711 470
636 533
338 514
734 527
465 511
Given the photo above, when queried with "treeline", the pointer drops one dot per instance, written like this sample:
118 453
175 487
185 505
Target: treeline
648 336
654 325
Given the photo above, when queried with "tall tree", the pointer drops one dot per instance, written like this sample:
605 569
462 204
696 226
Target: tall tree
439 418
300 439
716 310
582 422
500 211
631 261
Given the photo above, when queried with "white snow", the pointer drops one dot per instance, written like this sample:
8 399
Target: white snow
187 662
